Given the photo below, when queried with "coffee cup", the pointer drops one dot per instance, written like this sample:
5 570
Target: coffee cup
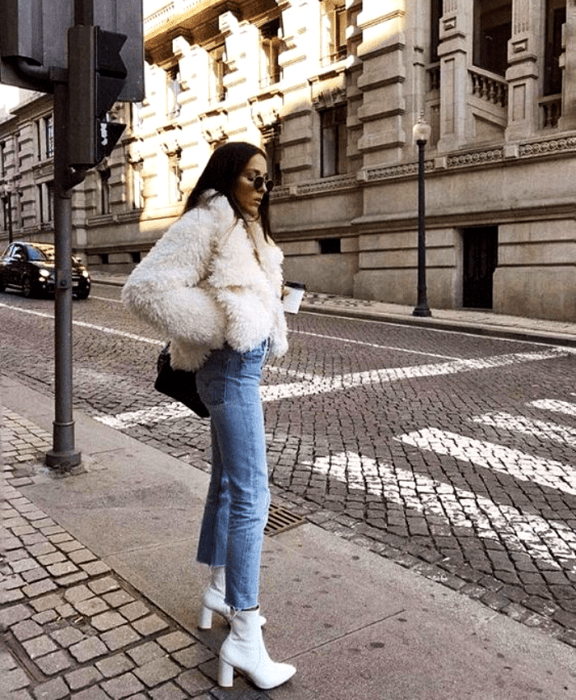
292 296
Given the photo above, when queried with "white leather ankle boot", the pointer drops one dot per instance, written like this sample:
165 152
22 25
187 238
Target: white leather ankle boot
244 650
213 599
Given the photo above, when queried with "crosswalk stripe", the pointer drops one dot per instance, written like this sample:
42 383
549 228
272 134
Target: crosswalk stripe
537 428
565 407
323 385
520 465
310 385
549 541
145 416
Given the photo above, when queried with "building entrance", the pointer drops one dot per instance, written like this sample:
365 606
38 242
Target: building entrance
480 260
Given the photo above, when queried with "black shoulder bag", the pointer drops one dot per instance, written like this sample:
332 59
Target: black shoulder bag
178 384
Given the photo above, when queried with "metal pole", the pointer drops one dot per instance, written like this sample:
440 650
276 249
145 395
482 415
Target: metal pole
63 454
421 308
9 201
84 12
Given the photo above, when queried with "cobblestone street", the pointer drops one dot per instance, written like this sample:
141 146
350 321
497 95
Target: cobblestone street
452 454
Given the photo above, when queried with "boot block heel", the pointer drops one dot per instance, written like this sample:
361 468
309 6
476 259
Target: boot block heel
225 674
205 618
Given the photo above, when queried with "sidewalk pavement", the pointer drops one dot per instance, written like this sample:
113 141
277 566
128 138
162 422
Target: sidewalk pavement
101 592
463 320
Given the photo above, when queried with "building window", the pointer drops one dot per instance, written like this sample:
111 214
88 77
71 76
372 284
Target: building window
555 18
39 140
7 209
136 120
49 136
218 65
137 185
334 25
2 158
330 246
46 202
273 152
333 141
174 177
45 137
270 71
173 89
492 31
104 190
436 12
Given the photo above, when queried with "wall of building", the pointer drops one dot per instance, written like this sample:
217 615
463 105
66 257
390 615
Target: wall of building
499 163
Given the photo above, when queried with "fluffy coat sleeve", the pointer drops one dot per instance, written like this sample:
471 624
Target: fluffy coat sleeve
163 289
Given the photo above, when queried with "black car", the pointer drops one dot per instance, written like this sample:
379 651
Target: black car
30 268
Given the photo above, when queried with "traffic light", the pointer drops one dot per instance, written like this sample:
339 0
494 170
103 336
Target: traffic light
96 76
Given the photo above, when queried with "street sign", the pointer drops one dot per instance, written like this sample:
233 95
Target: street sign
35 33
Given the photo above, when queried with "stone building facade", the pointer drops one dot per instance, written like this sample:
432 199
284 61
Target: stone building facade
331 89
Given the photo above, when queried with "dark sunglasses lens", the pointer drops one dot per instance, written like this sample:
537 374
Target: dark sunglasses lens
259 181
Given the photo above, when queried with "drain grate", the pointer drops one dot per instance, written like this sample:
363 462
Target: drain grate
280 519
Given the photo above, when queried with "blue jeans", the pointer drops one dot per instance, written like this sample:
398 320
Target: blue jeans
238 498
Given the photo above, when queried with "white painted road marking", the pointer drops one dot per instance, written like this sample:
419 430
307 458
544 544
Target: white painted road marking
525 467
537 428
550 541
323 385
145 416
92 326
313 386
565 407
373 345
143 339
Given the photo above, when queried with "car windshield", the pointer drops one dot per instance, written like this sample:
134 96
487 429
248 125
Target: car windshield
44 253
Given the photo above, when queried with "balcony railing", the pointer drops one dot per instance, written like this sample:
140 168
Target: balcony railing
488 87
550 111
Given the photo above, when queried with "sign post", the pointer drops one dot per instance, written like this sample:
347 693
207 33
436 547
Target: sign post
72 49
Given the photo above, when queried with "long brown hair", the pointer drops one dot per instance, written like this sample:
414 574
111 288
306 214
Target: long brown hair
222 171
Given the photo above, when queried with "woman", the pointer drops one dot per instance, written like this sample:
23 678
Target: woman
212 284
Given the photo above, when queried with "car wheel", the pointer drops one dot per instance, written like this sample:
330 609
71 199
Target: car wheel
2 286
83 294
27 287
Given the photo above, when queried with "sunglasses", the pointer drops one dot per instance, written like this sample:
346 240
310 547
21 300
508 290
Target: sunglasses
257 183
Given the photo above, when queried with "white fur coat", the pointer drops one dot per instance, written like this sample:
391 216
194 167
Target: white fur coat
202 286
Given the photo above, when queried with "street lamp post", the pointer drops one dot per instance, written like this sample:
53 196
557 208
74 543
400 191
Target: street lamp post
421 133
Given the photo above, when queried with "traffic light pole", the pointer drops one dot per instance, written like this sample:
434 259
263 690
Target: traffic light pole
83 11
86 79
63 455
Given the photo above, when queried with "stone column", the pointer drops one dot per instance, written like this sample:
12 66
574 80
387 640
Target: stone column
455 52
382 52
524 64
242 56
300 59
568 119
